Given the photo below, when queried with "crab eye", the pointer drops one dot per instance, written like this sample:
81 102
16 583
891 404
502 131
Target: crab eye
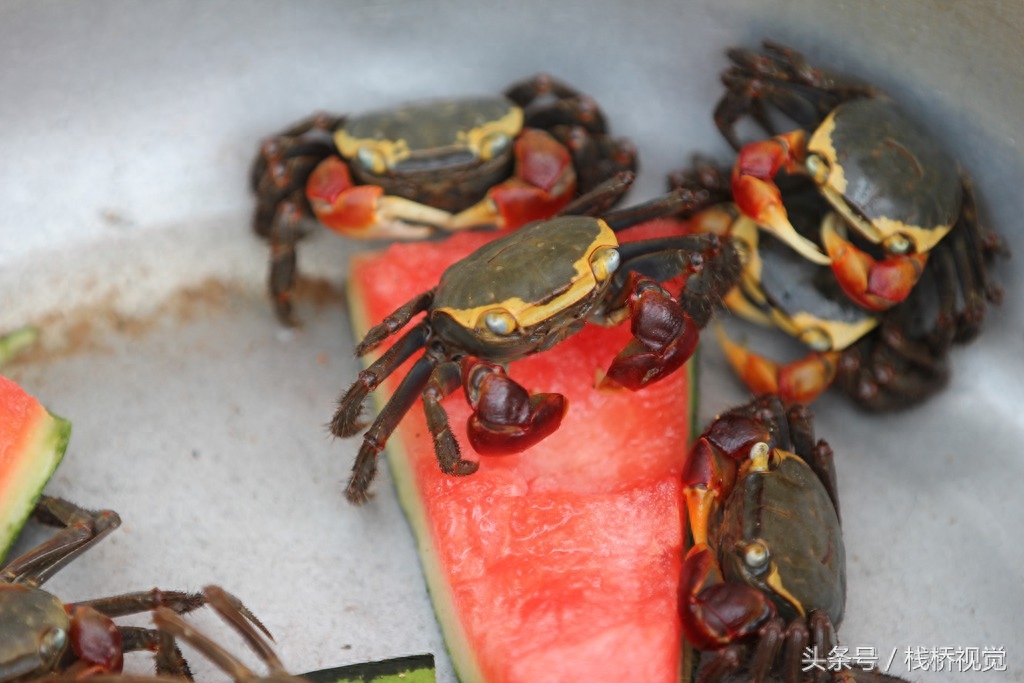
897 244
816 339
818 168
756 557
52 643
371 159
604 262
494 145
500 322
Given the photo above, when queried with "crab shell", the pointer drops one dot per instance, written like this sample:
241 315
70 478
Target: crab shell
446 153
527 291
886 176
34 631
806 565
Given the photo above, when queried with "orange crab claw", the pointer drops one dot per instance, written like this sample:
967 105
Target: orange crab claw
544 182
801 381
873 284
757 195
364 211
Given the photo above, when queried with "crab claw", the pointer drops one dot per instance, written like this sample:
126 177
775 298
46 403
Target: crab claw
715 612
799 382
757 195
364 211
664 338
506 418
544 182
875 285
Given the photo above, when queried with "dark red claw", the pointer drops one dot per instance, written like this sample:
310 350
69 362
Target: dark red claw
715 613
96 640
734 435
507 419
665 337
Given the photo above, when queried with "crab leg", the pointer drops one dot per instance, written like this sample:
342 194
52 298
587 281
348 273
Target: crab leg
506 417
548 103
365 467
285 232
395 321
445 379
346 418
801 381
82 529
757 195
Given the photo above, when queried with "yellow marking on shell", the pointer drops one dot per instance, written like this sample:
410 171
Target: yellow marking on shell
391 151
803 325
833 187
775 582
510 124
394 151
530 313
740 305
762 460
821 144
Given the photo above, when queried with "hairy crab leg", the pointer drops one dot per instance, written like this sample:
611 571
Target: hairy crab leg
82 529
346 420
446 378
409 390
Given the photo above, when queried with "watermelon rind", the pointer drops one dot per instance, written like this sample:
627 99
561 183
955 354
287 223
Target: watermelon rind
411 669
13 343
39 453
456 640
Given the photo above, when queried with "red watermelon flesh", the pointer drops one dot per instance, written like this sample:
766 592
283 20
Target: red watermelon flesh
32 444
560 563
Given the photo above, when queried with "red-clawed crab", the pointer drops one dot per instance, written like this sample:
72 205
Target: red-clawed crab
871 253
520 295
765 576
432 167
41 636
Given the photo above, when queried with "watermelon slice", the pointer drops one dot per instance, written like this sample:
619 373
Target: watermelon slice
561 563
32 443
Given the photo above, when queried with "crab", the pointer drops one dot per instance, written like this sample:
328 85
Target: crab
171 627
431 168
868 250
766 571
41 636
564 272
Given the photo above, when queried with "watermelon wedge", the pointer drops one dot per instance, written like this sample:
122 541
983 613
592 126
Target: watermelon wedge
561 563
32 443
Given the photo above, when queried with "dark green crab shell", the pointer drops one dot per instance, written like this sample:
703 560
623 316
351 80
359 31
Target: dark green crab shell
543 278
888 170
801 530
27 615
445 153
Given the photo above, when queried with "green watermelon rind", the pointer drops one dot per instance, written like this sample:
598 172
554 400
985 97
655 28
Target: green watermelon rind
16 342
455 638
46 448
466 666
